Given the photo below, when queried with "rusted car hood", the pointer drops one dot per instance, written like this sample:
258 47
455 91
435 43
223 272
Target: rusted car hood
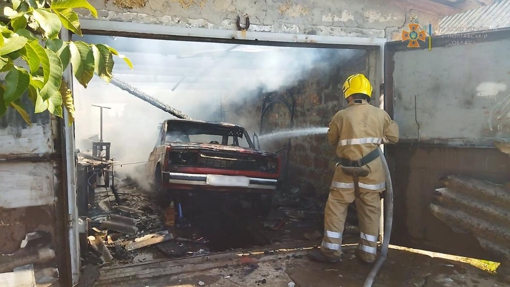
215 147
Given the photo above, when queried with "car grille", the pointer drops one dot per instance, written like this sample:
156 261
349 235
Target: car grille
223 161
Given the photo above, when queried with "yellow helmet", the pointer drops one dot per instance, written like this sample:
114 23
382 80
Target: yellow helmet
357 84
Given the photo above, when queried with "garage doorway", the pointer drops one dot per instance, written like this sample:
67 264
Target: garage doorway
215 81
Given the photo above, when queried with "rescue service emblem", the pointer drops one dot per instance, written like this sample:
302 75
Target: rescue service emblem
414 34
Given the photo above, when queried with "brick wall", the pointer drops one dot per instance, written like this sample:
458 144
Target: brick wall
318 97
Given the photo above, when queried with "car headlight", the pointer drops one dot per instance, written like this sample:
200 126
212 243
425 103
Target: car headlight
270 165
182 158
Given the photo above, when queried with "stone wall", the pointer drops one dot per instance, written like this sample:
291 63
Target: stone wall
367 18
311 157
318 96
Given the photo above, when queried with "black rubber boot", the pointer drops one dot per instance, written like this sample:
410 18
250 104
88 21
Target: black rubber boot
317 256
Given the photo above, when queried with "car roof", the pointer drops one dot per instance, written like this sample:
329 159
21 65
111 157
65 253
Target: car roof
223 124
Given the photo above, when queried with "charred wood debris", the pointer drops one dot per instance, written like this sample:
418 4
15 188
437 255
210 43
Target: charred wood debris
132 227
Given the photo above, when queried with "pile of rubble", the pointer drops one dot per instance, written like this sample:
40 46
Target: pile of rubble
121 234
32 263
136 230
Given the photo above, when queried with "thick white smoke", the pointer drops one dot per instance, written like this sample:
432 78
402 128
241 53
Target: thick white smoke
200 79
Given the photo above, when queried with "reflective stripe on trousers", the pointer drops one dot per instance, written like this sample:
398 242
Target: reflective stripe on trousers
338 184
368 237
359 141
331 246
334 235
368 249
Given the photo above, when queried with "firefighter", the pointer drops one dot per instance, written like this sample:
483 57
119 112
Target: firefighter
356 132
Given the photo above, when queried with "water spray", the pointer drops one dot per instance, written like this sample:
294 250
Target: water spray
293 133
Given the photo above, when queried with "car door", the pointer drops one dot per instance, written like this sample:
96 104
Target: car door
451 100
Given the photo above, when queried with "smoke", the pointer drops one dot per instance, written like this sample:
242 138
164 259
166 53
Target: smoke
200 79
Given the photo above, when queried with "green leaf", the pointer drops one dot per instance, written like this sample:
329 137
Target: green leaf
67 97
27 34
103 62
12 43
126 59
37 3
11 14
69 19
15 55
55 104
30 56
9 65
15 4
49 22
52 85
17 106
19 23
3 62
62 49
73 4
40 104
1 40
43 57
3 106
24 7
82 59
32 93
17 81
37 82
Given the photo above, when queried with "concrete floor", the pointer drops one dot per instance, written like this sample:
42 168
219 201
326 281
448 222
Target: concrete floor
402 269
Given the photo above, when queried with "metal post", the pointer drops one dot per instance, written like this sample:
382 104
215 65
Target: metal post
101 120
70 169
101 125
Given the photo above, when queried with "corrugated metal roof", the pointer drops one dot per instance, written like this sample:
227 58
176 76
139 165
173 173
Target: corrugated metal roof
489 17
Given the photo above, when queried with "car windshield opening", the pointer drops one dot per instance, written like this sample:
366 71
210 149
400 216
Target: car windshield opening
204 133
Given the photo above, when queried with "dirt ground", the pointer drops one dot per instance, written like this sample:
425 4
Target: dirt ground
402 269
226 232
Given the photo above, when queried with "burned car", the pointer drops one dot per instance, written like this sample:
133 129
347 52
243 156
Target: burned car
196 157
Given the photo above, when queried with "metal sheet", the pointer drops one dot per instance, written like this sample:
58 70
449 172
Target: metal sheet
416 171
476 207
17 138
26 184
460 92
18 278
141 30
441 94
493 16
31 192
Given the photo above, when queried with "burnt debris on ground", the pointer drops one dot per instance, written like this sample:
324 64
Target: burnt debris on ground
133 227
139 229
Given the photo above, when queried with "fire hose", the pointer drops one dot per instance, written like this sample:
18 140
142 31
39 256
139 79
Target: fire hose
388 208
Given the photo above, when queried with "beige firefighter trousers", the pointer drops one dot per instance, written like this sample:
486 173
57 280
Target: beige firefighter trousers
368 206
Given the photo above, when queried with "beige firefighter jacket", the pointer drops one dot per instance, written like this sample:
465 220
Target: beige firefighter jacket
356 131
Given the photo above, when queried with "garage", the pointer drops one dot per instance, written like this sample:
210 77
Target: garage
281 94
